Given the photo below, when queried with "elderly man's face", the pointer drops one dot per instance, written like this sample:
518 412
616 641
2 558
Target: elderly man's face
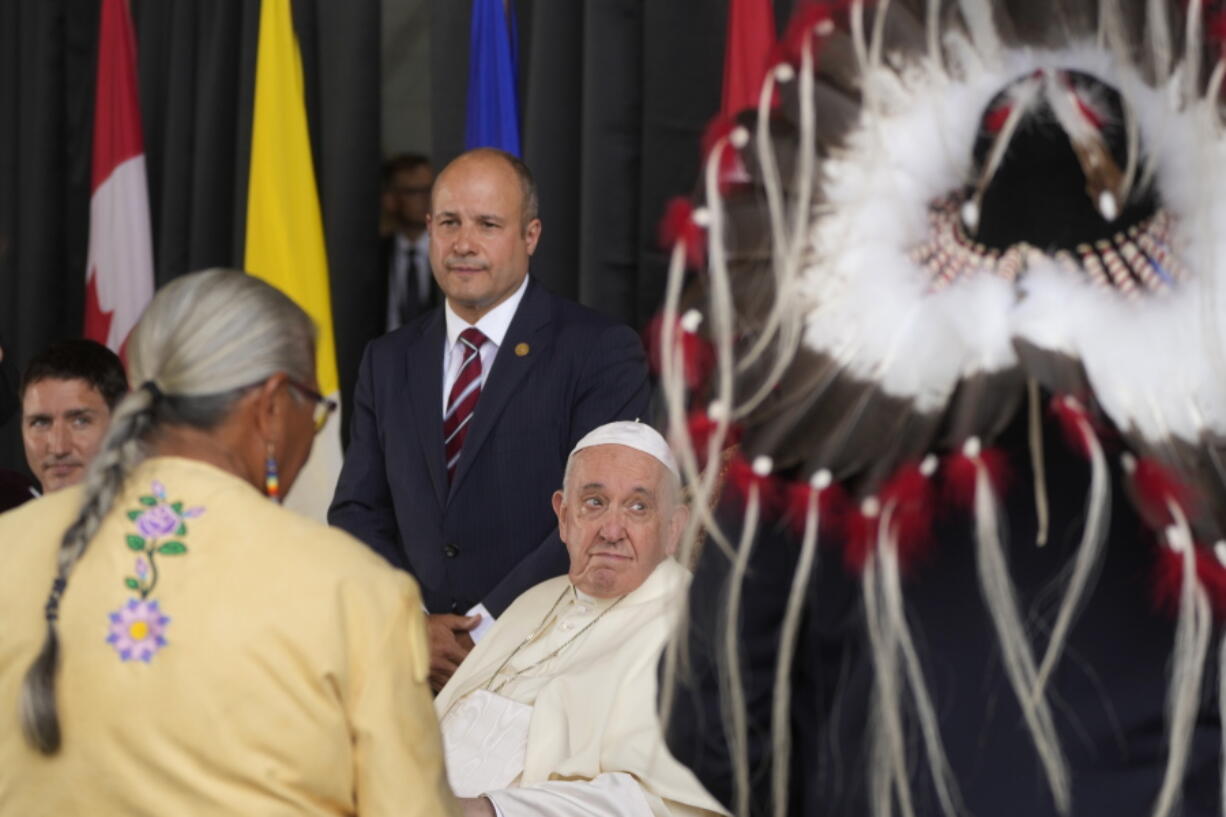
62 425
619 518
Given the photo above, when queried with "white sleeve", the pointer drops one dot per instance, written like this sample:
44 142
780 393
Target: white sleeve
614 794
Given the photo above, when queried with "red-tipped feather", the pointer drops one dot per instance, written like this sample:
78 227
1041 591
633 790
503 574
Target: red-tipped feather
1153 488
909 499
996 118
697 354
718 128
742 478
1075 422
1168 579
910 493
804 24
861 539
678 225
1092 116
961 473
831 506
1084 106
717 136
702 429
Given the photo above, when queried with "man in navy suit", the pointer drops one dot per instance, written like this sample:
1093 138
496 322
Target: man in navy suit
458 440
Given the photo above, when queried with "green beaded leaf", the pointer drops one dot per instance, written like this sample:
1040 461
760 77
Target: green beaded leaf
177 507
132 583
135 542
182 530
172 549
135 514
148 500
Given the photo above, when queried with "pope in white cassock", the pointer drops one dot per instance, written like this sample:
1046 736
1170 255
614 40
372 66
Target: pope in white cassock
554 711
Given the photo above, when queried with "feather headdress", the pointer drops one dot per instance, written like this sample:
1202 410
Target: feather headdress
960 206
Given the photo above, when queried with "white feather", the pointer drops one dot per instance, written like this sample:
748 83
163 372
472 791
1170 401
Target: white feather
867 304
978 16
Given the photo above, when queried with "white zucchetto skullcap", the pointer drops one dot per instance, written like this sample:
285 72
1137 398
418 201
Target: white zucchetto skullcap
636 435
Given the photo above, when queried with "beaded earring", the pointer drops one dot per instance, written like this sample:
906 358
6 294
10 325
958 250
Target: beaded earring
272 483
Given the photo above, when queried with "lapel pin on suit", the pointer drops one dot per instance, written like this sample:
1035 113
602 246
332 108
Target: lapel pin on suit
522 349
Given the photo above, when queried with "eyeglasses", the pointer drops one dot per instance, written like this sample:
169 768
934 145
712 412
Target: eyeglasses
323 405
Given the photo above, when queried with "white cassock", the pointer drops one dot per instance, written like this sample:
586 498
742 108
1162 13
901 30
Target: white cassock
576 732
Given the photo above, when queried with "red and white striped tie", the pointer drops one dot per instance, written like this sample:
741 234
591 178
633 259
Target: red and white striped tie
463 399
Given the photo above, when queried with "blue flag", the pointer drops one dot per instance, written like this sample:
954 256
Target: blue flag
493 96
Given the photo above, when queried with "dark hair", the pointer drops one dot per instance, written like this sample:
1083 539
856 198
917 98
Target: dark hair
529 201
402 162
79 359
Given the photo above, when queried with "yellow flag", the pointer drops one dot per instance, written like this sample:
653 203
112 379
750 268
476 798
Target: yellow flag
285 236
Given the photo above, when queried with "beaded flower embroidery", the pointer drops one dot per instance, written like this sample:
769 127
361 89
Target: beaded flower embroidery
137 629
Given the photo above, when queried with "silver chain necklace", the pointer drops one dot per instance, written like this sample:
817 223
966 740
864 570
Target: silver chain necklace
537 633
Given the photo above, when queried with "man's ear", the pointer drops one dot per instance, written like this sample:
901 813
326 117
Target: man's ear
532 234
557 509
676 527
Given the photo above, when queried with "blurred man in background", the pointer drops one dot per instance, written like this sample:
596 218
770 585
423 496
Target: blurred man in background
411 291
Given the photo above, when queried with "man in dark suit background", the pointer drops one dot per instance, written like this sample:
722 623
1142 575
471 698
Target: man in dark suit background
411 290
458 440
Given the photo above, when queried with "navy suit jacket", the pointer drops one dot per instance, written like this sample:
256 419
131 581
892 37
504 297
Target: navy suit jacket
491 533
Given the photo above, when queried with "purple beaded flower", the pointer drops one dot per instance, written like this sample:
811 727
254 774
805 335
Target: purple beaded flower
137 630
156 522
161 526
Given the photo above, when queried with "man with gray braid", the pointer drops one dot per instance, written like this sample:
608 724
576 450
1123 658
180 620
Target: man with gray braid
174 641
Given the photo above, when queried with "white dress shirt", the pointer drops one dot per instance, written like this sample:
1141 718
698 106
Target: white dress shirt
419 278
493 325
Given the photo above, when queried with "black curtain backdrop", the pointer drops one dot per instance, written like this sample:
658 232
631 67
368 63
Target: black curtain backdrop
196 76
614 96
47 50
196 64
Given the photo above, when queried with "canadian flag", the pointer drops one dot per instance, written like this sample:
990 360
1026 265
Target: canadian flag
119 272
